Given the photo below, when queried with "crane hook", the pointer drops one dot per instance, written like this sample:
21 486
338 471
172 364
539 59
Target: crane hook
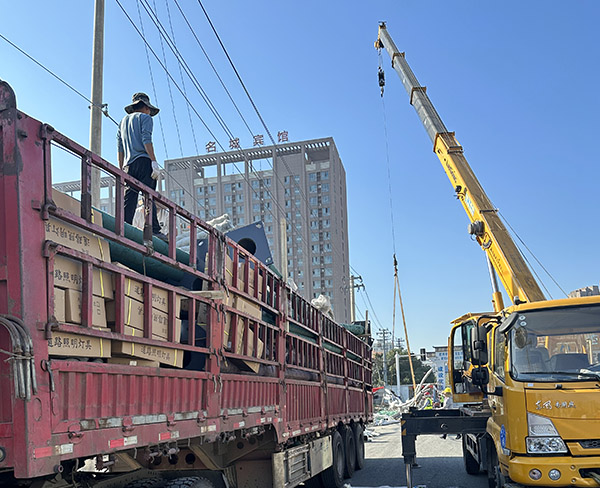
381 76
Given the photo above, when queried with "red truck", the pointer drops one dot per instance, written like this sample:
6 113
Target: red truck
112 377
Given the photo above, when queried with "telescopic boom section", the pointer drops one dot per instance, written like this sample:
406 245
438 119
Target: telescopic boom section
486 226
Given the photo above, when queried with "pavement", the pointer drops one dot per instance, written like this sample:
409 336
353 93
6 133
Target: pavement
440 461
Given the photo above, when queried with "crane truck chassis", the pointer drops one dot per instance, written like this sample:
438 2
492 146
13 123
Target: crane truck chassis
118 376
529 377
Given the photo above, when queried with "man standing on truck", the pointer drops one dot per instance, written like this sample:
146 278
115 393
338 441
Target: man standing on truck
136 153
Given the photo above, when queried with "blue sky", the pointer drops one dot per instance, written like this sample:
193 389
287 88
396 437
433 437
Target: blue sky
516 81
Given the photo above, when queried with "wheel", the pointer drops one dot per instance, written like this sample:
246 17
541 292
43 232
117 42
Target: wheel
147 483
350 451
333 477
359 442
495 477
190 482
471 464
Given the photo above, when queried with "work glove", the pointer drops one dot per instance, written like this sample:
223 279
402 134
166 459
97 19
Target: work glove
155 170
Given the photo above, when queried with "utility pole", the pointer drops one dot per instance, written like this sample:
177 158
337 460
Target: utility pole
354 286
96 114
384 334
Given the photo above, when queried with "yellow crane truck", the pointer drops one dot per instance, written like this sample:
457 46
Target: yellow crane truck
529 378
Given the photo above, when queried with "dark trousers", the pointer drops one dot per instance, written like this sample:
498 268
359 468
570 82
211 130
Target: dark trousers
141 170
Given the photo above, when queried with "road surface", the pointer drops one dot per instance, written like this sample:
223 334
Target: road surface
441 464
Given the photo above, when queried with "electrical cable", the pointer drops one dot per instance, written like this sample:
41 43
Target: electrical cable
104 111
534 257
182 79
162 47
162 32
152 81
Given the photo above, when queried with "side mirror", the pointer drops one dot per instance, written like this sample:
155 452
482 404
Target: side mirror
480 376
479 345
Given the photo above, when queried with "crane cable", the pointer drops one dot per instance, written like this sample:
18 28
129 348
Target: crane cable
397 287
381 81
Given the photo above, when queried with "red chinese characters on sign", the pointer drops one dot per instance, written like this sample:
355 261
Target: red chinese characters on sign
259 140
211 146
282 136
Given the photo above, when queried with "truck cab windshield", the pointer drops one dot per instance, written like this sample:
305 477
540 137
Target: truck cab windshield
555 344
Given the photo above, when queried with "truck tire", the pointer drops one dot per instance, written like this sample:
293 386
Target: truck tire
471 464
333 477
359 442
349 451
495 477
147 483
190 482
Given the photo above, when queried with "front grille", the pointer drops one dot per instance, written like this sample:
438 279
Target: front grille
590 444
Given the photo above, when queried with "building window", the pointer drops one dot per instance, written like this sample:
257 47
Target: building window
287 192
255 184
314 212
325 199
239 197
314 236
324 175
288 204
326 211
326 223
286 179
327 247
328 272
256 207
212 201
316 284
312 188
238 185
296 178
228 199
326 236
212 189
267 181
327 259
325 187
315 259
312 177
316 272
314 201
300 273
269 218
199 191
227 187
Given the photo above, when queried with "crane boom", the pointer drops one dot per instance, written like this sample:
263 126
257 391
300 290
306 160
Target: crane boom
485 223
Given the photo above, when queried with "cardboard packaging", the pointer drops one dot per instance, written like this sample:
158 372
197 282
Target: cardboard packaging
160 297
73 308
134 319
66 344
164 355
75 238
67 274
134 362
59 304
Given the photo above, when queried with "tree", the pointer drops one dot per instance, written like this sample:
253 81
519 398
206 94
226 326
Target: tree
405 376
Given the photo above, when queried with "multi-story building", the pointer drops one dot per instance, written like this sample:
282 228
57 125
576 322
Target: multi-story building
298 191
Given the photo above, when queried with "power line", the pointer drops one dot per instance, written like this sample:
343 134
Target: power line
104 110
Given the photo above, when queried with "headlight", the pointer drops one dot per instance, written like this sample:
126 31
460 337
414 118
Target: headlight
544 445
540 426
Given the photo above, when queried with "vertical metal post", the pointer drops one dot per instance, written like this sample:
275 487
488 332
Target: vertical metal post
283 247
352 301
398 372
96 109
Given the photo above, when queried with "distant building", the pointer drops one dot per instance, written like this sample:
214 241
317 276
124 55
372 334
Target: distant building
586 291
298 190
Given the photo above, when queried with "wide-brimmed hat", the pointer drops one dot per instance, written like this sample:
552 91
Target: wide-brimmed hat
145 99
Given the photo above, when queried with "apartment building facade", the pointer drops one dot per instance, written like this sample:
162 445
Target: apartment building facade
297 190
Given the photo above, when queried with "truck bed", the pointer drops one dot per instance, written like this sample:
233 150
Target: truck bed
59 404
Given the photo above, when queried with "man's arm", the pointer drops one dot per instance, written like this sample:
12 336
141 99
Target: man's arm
150 150
121 157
